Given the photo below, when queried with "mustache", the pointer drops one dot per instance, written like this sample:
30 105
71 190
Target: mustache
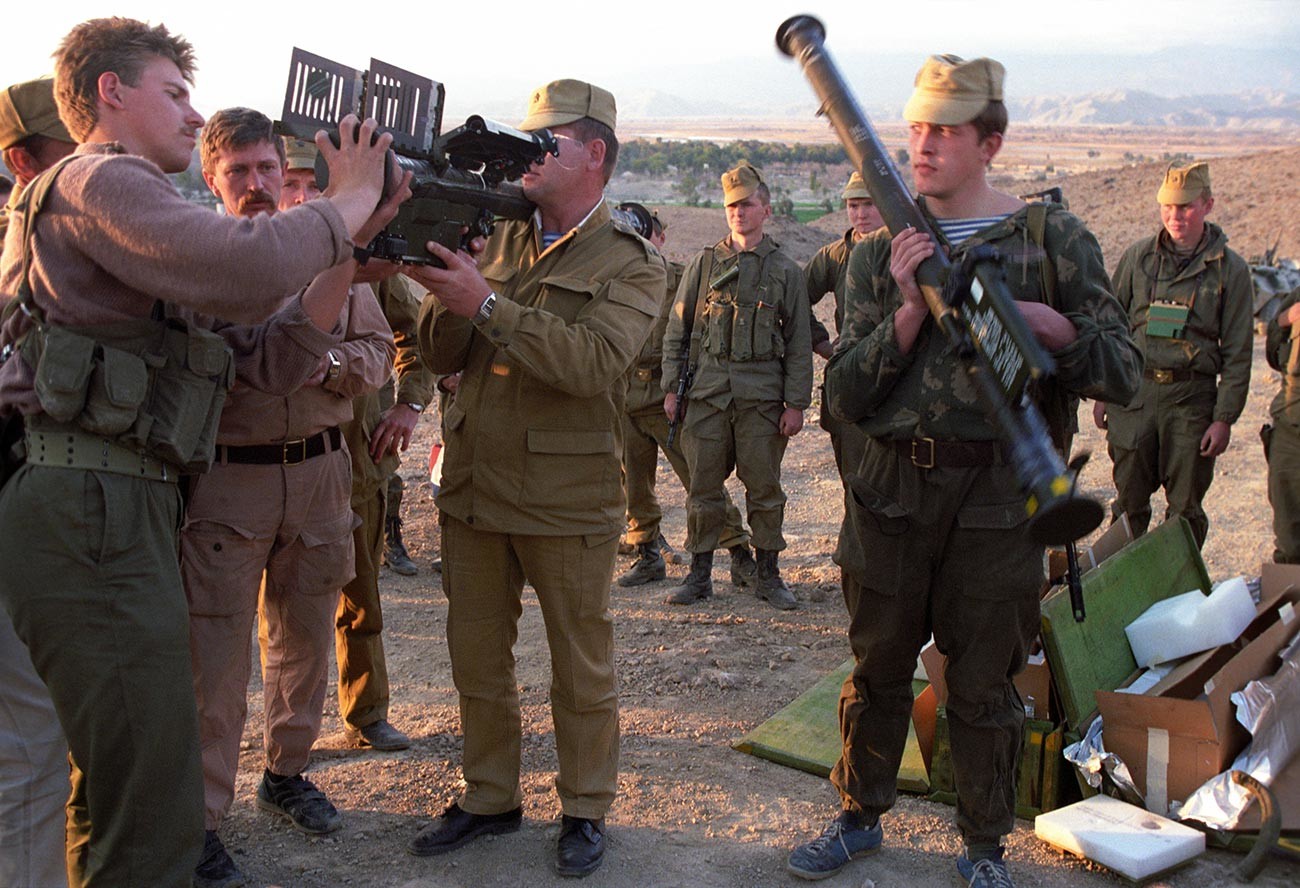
252 198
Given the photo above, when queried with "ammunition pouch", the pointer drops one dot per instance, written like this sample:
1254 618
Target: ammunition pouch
153 386
742 331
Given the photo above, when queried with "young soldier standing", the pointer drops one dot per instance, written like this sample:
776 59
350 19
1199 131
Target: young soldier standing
1190 303
752 384
937 512
119 259
645 434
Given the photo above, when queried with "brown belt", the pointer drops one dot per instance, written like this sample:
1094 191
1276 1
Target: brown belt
288 453
1163 377
927 453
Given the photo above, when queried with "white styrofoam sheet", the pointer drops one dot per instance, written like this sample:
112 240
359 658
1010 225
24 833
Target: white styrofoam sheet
1125 838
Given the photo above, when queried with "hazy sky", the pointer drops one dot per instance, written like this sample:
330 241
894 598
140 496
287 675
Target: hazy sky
696 50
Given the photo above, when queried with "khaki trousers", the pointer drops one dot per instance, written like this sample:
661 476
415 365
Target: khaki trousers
294 524
91 583
743 437
33 772
483 575
644 436
359 623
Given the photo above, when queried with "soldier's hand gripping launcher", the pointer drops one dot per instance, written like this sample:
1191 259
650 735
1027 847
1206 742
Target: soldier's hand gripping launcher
460 179
970 303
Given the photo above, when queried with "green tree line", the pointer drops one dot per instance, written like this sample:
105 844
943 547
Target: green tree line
659 156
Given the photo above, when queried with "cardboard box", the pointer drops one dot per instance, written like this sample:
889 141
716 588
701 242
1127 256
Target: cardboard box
1184 730
1034 683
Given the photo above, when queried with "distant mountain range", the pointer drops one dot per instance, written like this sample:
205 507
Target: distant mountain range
1255 109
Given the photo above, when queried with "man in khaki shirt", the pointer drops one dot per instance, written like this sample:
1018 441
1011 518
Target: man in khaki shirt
380 427
542 329
276 503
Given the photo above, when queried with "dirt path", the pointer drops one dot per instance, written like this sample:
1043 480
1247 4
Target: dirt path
691 811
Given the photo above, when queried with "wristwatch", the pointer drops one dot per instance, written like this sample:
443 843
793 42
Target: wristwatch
485 310
335 367
418 408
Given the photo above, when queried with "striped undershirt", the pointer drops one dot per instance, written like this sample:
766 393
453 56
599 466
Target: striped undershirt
957 230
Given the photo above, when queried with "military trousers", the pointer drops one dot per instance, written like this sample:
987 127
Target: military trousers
644 436
91 583
743 437
33 772
948 555
1284 491
289 529
359 623
847 444
483 576
1155 442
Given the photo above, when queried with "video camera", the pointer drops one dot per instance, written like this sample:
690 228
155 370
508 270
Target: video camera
460 179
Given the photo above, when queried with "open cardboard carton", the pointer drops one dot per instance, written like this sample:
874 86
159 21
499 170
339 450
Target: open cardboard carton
1184 731
1034 683
1116 537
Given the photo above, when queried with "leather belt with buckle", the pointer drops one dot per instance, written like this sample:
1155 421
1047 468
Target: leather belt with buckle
927 453
288 453
1164 377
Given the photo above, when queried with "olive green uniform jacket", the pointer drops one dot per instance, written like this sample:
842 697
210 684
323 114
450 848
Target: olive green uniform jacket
769 277
644 392
1282 442
828 272
534 437
1218 338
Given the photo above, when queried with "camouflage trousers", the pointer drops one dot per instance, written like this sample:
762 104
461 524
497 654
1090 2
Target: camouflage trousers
946 554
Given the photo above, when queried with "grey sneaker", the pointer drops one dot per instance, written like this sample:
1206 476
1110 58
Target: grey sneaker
842 841
297 799
988 872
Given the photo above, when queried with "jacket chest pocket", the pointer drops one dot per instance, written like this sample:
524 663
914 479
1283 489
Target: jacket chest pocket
570 466
566 296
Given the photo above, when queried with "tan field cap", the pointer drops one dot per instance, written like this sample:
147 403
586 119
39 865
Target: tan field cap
1183 185
856 187
564 101
740 182
951 91
28 109
299 154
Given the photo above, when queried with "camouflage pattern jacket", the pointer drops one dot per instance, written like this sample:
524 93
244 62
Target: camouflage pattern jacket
534 435
769 277
1216 285
927 393
1286 405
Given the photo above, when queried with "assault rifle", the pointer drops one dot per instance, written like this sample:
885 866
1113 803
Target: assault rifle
970 303
460 179
686 369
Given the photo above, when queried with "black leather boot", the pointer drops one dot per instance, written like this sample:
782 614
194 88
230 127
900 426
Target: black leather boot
395 554
771 588
699 582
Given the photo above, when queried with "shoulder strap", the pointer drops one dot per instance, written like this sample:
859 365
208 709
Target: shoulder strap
1036 223
698 305
29 205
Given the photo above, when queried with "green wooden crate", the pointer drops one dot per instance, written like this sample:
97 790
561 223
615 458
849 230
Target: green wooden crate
1040 784
806 734
1095 655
